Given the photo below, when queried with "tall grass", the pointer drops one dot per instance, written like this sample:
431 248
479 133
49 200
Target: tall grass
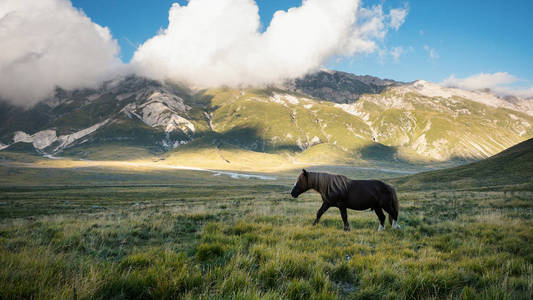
254 242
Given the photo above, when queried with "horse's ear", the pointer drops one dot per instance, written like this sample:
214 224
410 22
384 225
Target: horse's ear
304 172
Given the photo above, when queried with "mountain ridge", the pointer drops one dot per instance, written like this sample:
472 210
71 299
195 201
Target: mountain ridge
364 119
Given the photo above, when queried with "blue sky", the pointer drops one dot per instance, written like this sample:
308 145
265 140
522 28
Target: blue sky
465 37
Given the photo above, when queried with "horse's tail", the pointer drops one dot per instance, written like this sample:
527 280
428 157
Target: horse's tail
394 204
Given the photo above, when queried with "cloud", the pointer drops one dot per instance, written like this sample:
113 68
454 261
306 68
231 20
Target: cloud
480 81
49 43
396 52
218 42
397 17
499 82
431 52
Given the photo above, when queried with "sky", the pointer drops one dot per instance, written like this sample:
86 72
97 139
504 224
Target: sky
467 44
467 37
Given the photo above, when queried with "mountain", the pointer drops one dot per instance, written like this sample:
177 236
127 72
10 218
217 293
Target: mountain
338 87
129 111
328 117
511 169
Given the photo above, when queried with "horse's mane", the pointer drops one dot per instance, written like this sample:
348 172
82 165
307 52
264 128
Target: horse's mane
329 185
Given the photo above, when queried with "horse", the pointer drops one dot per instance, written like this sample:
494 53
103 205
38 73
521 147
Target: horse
343 193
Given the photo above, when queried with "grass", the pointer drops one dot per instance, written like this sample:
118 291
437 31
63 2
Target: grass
511 169
195 235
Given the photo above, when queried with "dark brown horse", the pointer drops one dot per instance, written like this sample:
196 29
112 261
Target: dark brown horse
339 191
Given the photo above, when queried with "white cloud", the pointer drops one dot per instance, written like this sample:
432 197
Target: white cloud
480 81
49 43
396 52
397 17
218 42
431 52
499 82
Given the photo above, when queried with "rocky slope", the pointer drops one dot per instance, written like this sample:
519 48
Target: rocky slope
327 117
431 121
336 86
130 110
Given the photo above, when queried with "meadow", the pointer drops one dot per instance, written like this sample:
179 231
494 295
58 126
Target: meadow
192 235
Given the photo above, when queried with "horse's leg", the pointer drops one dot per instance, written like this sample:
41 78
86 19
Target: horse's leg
389 210
344 215
381 217
393 215
320 211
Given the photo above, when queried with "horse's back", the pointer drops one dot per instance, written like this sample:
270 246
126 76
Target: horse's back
365 194
373 185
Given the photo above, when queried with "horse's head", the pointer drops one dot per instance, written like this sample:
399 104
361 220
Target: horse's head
301 185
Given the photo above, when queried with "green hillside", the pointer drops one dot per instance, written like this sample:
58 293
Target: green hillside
512 169
391 126
365 121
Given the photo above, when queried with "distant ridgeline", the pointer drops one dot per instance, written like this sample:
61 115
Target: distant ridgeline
328 117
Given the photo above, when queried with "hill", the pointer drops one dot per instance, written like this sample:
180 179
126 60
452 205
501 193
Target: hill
511 169
324 118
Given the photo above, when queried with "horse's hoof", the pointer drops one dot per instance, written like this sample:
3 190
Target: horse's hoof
346 228
395 225
380 228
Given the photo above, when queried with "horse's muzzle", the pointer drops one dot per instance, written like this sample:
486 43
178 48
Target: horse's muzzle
294 192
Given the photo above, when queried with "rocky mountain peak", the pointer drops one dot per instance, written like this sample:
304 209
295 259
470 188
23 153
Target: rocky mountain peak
370 118
337 86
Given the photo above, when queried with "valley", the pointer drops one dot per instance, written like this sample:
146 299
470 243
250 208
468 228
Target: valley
142 190
105 231
203 149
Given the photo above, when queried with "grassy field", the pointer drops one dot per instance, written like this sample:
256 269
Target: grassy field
186 234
